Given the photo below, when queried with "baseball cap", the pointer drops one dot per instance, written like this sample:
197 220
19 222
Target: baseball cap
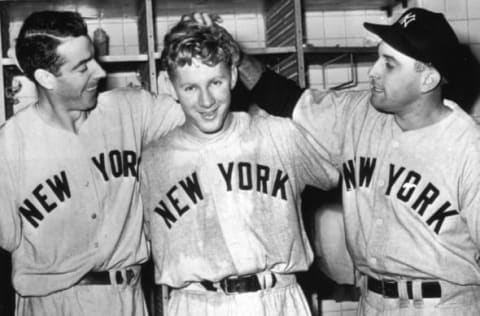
423 35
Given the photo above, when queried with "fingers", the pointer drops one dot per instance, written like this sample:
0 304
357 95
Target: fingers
215 18
198 17
205 18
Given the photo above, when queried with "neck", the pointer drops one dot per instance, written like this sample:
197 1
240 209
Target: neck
423 112
56 114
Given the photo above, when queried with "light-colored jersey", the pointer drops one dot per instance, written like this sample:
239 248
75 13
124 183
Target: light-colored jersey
411 198
230 205
70 202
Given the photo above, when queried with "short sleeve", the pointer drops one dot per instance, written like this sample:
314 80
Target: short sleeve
326 115
161 115
312 160
10 224
469 189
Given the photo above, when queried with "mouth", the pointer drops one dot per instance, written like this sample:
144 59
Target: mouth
209 115
375 89
92 88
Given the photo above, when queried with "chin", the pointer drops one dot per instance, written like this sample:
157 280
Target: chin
381 107
377 102
212 128
90 105
91 102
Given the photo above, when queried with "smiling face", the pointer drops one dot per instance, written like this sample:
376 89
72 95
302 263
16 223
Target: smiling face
204 94
396 83
75 84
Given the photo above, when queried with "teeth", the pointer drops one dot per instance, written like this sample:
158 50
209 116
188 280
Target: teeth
208 115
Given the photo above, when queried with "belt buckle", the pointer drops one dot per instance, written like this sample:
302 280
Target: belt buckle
122 277
129 275
224 285
242 284
384 283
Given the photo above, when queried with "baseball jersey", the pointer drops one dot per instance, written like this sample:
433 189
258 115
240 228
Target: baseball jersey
230 205
411 198
70 202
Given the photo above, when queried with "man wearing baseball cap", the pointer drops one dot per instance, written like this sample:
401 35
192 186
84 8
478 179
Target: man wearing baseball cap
422 35
410 161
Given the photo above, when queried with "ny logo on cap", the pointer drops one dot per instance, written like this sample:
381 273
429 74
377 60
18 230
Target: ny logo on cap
406 19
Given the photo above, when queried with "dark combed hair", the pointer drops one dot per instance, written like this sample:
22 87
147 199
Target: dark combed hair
188 39
40 35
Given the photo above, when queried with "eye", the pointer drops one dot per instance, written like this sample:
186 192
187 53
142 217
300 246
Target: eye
389 66
189 88
82 68
217 82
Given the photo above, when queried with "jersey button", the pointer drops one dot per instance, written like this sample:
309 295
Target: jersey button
87 184
379 221
395 144
94 215
381 183
373 260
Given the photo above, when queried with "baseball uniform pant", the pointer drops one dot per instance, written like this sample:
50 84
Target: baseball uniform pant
284 299
455 300
87 300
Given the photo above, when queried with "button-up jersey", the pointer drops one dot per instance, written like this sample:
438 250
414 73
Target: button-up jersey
230 205
411 198
70 202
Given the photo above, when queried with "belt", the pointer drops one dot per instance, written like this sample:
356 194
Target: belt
241 284
388 288
120 277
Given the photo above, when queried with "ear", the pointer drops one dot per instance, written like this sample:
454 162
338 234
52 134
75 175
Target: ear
431 78
169 86
233 76
44 78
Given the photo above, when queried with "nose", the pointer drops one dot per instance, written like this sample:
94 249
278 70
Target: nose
98 71
206 98
373 73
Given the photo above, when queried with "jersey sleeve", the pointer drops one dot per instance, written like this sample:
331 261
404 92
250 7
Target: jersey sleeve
325 115
312 161
10 224
161 114
469 190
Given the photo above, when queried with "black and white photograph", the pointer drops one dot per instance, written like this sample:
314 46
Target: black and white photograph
240 158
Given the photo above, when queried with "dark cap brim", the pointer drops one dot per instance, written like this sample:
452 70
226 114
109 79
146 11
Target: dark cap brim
391 35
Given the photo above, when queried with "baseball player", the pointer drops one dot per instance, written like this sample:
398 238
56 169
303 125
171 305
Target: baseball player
222 192
410 166
71 212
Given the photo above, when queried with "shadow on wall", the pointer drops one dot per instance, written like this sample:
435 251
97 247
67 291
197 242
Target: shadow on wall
464 87
7 296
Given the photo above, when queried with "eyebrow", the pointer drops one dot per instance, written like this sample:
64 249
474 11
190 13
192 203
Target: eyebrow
81 62
390 58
